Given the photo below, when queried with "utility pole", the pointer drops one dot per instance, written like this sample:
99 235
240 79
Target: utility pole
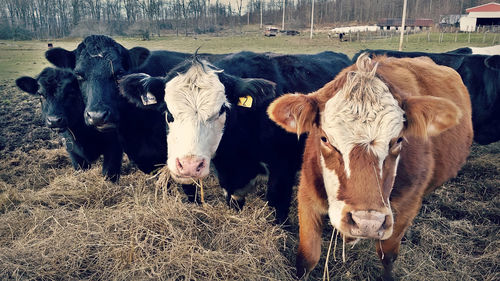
261 3
402 27
283 20
312 19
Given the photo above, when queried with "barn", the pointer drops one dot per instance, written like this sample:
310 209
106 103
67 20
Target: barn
483 15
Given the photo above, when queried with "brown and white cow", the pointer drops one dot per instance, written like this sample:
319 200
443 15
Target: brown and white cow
381 135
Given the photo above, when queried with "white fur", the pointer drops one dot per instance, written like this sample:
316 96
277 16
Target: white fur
490 51
332 186
194 99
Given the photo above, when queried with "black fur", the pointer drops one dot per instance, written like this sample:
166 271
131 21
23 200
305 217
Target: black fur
62 101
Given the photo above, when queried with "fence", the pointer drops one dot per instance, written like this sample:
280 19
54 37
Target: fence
486 35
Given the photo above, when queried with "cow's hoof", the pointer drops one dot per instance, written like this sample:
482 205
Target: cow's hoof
236 202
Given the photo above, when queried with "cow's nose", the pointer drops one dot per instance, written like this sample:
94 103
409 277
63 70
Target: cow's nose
54 121
191 166
96 118
368 224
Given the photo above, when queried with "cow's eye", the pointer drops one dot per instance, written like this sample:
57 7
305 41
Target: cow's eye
119 73
79 76
400 139
170 117
222 110
324 139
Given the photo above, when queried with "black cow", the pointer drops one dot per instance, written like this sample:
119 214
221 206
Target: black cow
62 107
220 115
481 75
99 62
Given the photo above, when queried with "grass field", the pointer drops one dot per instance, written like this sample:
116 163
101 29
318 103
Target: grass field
58 224
19 58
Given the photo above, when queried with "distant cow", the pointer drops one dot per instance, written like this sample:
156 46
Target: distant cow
217 113
381 135
62 107
481 75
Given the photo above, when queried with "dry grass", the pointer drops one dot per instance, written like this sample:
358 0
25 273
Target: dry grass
82 227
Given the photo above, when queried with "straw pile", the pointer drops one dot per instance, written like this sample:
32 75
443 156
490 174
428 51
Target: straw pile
58 224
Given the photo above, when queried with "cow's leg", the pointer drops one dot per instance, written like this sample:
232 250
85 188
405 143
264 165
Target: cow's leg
388 250
310 228
234 201
236 183
280 188
112 162
191 192
78 162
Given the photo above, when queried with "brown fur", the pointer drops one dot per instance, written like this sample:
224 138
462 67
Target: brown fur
438 135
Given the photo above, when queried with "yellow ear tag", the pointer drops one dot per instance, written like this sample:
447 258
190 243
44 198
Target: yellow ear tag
245 101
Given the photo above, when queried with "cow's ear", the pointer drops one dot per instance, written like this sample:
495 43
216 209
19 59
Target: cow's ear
296 113
493 62
27 84
461 51
61 57
429 116
138 56
143 90
252 92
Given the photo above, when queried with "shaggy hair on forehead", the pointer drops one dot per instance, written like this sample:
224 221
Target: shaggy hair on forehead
195 91
366 106
363 90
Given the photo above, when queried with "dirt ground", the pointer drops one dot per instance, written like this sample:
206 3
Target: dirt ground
58 224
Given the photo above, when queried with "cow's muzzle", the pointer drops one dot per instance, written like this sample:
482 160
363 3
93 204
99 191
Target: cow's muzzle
370 224
55 122
99 120
190 167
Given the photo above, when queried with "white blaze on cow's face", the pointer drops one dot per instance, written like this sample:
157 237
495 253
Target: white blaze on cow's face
360 144
196 103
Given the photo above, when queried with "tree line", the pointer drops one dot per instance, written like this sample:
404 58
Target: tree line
42 19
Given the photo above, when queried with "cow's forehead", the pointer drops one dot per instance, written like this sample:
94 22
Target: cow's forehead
365 114
197 92
54 83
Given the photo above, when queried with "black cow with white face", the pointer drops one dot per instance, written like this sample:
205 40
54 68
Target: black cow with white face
62 107
217 113
481 76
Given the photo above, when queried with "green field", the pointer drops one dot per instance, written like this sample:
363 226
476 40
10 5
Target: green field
19 58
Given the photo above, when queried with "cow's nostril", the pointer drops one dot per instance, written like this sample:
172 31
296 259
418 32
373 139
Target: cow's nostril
104 115
179 165
200 166
350 221
384 226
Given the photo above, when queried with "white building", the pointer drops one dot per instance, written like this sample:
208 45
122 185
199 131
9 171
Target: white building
483 15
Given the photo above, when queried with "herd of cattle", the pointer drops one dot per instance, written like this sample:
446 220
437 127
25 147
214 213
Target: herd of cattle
370 140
